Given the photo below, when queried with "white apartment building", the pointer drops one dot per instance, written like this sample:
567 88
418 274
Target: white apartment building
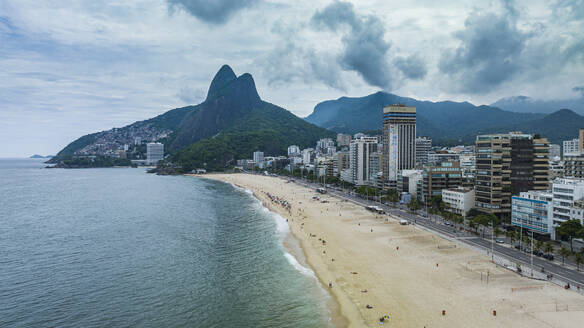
258 158
347 175
566 192
323 144
571 147
308 155
293 150
361 151
154 152
407 182
458 200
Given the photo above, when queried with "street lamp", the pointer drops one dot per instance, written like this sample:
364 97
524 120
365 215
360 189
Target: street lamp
492 235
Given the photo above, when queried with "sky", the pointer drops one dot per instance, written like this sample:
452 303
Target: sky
72 67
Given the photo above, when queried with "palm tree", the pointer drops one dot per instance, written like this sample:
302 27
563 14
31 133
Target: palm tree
564 252
497 232
511 236
579 260
538 245
526 242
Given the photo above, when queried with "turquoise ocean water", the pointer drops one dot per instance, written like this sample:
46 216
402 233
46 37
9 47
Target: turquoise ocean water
122 248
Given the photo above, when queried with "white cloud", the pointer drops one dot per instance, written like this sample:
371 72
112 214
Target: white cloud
69 68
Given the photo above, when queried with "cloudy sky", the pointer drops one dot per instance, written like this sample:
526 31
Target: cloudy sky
68 68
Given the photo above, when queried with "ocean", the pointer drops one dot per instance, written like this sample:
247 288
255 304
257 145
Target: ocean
117 247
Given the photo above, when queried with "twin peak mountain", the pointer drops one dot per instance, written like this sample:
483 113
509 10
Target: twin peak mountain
233 122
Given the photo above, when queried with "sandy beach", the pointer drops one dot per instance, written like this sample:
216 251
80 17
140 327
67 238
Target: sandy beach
405 272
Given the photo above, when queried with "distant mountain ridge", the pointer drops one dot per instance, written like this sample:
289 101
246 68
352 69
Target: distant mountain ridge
444 121
230 124
524 104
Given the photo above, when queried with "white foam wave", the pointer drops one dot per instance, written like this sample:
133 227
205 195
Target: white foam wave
241 188
302 269
281 224
283 229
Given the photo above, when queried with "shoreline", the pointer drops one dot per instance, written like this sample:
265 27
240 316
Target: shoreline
406 272
334 304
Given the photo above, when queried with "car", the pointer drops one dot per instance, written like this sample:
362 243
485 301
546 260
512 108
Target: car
548 256
517 247
447 223
537 252
499 241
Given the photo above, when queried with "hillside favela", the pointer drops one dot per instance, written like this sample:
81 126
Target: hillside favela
271 163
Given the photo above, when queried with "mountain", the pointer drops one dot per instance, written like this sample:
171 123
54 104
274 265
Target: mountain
159 128
563 124
230 124
523 104
40 156
233 122
443 121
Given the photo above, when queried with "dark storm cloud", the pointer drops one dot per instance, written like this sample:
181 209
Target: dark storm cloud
364 47
212 11
291 61
489 52
413 67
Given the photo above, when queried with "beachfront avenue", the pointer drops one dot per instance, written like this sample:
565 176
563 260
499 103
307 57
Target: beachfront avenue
436 224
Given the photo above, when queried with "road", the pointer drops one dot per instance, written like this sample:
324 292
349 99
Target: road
437 224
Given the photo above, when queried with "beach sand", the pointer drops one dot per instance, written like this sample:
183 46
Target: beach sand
415 283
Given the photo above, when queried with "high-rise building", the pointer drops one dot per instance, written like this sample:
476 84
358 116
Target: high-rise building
361 151
423 147
322 145
341 161
507 164
154 152
293 150
399 140
573 166
574 147
375 160
308 156
447 175
343 140
258 158
571 147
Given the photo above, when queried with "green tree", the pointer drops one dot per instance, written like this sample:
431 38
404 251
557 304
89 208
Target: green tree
512 236
564 253
414 205
497 232
548 248
538 245
579 259
570 229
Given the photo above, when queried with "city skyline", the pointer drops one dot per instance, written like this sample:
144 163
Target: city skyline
69 69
